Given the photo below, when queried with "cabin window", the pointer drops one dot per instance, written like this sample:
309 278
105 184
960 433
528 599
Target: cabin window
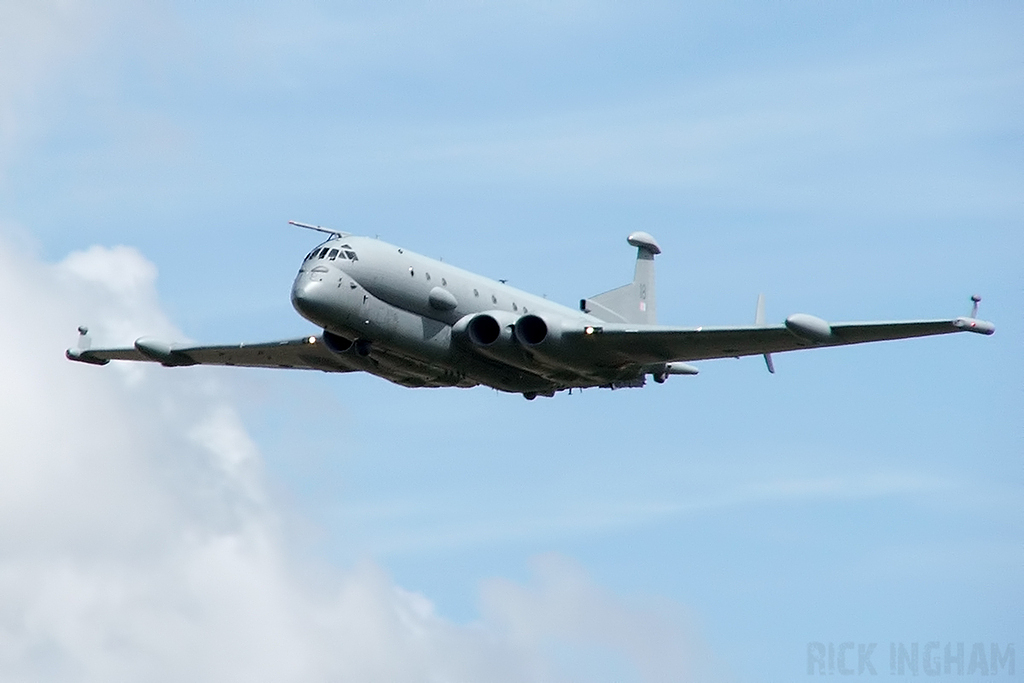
428 276
333 254
444 283
514 307
476 293
494 299
412 273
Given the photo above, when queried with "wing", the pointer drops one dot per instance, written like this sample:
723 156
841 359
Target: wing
307 353
619 345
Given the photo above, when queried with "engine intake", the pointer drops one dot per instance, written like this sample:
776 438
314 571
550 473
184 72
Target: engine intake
531 330
336 343
483 330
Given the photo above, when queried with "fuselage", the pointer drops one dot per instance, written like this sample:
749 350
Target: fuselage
416 321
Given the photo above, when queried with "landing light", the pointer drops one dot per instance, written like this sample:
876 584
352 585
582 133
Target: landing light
311 340
588 329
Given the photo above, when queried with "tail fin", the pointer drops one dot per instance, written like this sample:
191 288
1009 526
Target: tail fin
632 303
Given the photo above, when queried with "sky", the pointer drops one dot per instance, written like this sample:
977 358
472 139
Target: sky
857 162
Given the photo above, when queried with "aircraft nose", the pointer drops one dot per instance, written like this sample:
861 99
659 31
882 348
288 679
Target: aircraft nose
308 298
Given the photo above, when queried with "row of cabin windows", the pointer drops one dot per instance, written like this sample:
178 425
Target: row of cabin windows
412 273
476 292
347 253
332 254
494 300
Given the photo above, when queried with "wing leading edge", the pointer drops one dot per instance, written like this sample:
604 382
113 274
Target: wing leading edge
307 353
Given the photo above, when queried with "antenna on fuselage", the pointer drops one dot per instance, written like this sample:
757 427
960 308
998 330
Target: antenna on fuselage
319 228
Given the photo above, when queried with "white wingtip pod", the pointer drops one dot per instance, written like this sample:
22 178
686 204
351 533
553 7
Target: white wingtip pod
84 357
971 322
81 352
973 325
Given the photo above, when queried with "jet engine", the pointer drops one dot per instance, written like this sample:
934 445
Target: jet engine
532 331
543 339
491 334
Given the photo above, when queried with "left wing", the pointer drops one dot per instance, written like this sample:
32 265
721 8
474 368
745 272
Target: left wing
307 353
617 344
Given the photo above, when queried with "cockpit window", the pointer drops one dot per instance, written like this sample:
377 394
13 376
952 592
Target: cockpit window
323 252
333 254
352 255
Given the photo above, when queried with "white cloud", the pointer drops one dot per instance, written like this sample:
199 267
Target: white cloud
139 542
137 537
568 607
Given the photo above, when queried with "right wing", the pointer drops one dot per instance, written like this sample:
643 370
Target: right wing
619 345
307 353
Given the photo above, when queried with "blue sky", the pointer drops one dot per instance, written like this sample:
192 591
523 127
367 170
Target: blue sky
854 162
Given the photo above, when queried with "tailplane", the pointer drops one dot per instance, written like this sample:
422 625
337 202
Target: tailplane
632 303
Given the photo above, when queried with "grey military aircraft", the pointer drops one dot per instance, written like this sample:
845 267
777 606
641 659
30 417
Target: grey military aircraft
424 323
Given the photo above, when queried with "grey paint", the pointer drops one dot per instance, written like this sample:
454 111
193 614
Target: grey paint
423 323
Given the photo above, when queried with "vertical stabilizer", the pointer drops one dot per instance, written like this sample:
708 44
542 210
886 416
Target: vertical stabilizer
632 303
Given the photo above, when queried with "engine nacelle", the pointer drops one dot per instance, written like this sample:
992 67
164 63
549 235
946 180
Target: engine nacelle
487 330
491 334
533 331
339 345
543 337
517 341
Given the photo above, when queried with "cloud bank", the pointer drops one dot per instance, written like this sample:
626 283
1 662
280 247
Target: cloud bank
139 541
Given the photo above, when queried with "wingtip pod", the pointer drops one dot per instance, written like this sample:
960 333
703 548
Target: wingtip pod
971 323
974 325
81 354
84 357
